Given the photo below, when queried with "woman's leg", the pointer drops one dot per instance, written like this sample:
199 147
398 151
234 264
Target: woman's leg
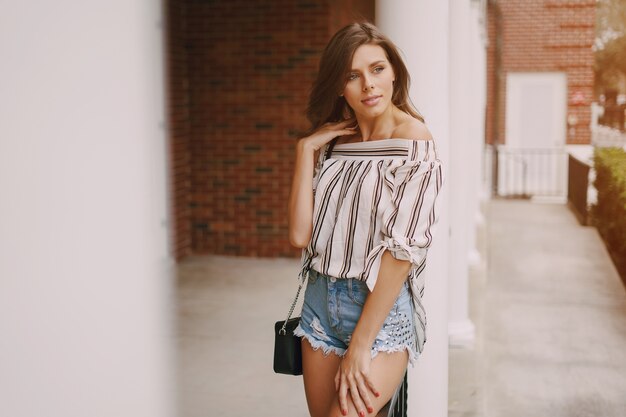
387 371
318 372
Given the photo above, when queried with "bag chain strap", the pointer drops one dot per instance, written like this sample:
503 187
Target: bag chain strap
283 330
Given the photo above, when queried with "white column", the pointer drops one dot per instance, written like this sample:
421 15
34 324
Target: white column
463 169
478 69
85 280
420 28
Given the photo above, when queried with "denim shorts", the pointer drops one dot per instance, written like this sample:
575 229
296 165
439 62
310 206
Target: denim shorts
332 307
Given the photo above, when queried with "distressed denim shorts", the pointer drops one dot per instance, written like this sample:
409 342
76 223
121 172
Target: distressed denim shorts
332 307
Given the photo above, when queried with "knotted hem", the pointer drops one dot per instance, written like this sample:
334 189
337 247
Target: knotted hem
400 249
306 266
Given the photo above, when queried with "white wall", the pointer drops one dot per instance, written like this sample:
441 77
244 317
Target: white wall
85 271
462 169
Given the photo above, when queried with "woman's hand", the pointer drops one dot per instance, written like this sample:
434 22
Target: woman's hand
353 375
301 195
328 132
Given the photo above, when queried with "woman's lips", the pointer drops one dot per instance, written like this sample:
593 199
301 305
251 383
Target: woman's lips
371 101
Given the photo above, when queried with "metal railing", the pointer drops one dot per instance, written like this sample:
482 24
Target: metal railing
529 172
577 186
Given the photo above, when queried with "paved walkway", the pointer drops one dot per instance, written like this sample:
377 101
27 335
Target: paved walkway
549 309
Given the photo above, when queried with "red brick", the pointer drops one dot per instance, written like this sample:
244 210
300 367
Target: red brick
540 35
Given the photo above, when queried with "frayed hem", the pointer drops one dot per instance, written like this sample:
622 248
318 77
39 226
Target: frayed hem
318 344
413 356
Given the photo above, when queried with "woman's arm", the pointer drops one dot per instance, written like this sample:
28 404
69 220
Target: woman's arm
301 196
392 275
300 215
355 365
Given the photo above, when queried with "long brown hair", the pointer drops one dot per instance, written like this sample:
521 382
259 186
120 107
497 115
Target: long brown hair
325 104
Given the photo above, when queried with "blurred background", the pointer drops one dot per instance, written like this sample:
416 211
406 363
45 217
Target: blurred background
146 155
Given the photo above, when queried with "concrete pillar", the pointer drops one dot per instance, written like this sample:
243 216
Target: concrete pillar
85 270
478 194
462 170
420 29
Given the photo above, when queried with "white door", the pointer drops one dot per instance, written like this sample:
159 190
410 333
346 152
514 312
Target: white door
533 161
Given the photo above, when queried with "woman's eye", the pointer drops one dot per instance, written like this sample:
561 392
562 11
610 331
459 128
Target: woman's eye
352 77
378 69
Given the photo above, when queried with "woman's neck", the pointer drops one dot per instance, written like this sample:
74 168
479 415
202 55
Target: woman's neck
380 127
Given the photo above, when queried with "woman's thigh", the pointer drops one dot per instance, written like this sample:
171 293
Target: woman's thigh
331 310
318 372
386 372
322 347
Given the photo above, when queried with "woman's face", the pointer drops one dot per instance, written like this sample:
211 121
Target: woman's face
369 84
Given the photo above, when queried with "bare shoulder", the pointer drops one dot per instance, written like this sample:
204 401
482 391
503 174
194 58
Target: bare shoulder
412 129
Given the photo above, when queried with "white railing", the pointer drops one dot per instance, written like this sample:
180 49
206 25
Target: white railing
530 172
604 136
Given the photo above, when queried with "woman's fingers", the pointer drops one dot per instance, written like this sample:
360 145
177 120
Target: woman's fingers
371 386
345 123
328 133
343 395
356 397
364 393
358 388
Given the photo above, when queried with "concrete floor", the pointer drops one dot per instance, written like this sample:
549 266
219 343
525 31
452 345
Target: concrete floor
548 306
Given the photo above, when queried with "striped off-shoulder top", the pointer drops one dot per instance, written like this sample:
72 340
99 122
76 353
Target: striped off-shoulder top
370 197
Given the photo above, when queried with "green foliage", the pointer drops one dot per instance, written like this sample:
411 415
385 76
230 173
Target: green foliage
610 43
609 214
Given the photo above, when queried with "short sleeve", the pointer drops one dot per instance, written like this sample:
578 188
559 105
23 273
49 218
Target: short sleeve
408 222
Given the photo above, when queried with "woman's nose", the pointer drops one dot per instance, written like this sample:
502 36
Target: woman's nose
367 84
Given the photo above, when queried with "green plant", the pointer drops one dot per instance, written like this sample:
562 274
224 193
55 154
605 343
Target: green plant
609 214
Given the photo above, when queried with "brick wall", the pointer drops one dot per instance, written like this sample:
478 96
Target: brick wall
541 35
237 107
179 128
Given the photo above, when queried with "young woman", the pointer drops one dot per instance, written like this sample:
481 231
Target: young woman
364 216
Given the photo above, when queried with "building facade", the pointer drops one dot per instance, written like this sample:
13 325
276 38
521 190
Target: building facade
540 72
